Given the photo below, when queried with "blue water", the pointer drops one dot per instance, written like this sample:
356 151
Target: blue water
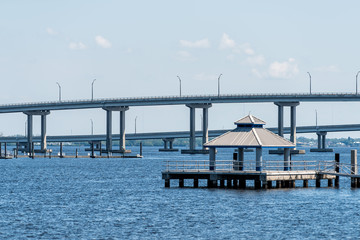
126 199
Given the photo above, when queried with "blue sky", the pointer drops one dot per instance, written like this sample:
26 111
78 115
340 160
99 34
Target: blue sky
137 48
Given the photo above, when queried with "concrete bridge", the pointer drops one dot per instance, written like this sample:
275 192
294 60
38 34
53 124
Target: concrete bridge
169 137
203 102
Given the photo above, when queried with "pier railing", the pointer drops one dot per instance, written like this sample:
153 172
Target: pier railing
231 165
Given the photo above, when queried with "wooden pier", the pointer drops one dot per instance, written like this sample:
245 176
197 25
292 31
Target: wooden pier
300 171
261 179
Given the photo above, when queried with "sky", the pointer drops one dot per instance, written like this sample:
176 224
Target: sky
138 48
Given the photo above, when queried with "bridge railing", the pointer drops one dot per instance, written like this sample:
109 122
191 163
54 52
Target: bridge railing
210 96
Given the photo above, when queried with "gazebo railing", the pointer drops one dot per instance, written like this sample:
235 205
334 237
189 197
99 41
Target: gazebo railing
247 165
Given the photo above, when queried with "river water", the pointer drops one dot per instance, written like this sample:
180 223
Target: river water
126 199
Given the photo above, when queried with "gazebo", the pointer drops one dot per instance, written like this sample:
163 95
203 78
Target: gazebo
249 133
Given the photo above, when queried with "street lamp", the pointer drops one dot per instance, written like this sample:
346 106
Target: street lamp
180 84
135 124
310 81
92 90
219 85
357 82
59 91
92 127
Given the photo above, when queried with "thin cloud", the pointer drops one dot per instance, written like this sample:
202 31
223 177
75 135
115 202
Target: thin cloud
284 70
102 42
77 46
203 43
256 60
51 31
226 42
184 56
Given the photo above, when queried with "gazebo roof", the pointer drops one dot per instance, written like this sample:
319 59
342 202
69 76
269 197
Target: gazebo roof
249 136
249 119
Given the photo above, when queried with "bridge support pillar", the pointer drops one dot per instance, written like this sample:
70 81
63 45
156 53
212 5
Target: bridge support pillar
109 111
43 144
108 131
168 148
292 106
321 143
192 138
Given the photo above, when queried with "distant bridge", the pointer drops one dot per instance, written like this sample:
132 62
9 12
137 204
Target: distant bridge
178 134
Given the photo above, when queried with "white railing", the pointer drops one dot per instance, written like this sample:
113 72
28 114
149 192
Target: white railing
231 165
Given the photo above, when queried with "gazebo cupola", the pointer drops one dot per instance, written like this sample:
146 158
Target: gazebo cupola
249 133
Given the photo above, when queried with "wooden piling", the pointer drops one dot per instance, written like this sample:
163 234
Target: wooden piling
257 183
306 183
265 185
242 183
278 184
222 183
235 183
318 183
269 184
32 151
337 169
61 149
167 183
354 169
330 183
141 146
229 183
196 183
181 182
76 153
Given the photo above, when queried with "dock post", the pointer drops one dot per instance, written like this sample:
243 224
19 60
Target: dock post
330 183
76 153
167 183
235 183
17 149
229 183
337 169
5 150
181 182
257 184
222 183
318 182
61 149
92 150
32 150
265 185
141 153
278 184
306 183
354 169
242 183
196 183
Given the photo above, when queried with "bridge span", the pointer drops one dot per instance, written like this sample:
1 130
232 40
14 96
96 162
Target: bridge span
170 136
204 102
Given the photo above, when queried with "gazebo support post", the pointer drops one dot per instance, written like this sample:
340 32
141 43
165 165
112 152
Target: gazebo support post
212 159
240 159
286 159
258 159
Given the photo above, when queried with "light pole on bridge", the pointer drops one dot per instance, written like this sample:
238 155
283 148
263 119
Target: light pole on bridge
59 91
219 84
357 82
92 90
310 81
180 84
